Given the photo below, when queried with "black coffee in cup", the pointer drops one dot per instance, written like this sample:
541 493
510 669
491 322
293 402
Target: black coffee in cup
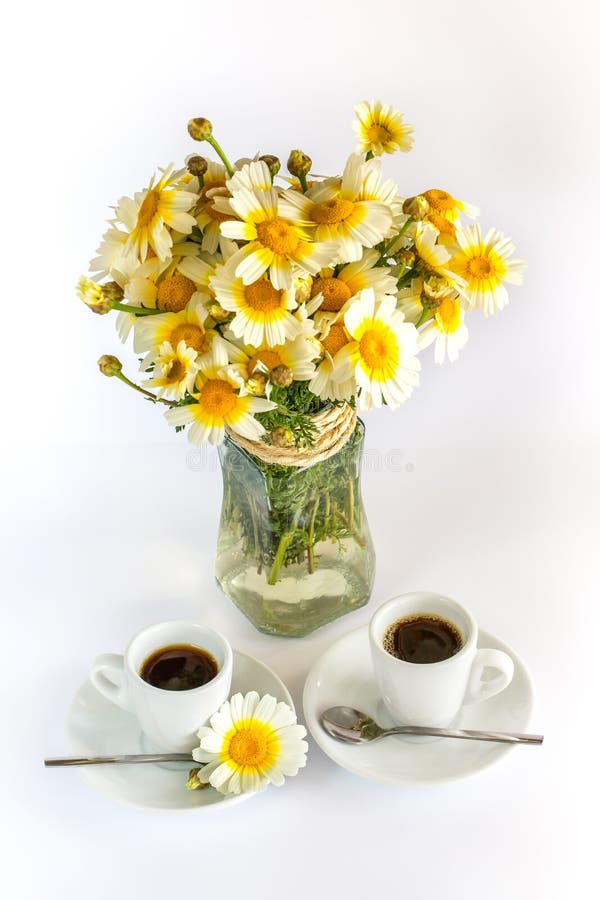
422 638
180 667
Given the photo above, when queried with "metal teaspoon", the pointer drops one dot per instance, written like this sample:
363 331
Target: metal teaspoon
355 727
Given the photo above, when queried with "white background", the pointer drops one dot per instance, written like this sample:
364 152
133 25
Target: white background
109 524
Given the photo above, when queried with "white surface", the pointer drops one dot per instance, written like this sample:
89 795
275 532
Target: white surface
95 726
344 676
484 486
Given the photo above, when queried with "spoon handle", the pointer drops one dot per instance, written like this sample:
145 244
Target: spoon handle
504 737
124 758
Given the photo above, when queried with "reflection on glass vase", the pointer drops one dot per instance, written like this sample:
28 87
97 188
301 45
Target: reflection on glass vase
294 549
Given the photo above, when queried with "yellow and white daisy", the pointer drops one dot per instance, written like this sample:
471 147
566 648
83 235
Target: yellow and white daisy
251 741
151 332
380 128
444 204
219 403
262 311
447 329
352 278
382 352
333 211
253 175
174 371
274 243
209 219
483 264
445 228
163 205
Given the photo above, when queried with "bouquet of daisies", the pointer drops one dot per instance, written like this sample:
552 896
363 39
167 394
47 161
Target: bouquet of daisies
257 299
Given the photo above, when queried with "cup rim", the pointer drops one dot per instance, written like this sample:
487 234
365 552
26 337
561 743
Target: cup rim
470 641
139 681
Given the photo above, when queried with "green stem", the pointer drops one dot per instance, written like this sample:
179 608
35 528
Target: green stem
136 310
219 150
284 542
303 184
396 238
142 390
422 318
351 503
311 537
369 155
257 550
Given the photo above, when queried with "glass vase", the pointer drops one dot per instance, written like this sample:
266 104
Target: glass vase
294 549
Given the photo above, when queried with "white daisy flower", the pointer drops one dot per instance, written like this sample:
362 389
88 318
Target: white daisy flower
352 278
334 211
262 311
252 741
482 264
380 128
163 205
174 371
382 353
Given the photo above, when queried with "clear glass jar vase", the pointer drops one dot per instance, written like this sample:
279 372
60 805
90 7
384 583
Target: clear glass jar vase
294 549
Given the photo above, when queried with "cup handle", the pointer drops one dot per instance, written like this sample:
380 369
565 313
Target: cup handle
108 677
478 689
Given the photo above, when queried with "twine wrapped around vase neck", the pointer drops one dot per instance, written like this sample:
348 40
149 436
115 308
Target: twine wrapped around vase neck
333 427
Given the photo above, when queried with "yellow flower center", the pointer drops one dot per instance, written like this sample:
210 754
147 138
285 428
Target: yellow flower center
379 348
440 201
443 225
192 334
176 372
262 296
253 744
269 358
448 315
378 134
174 293
335 293
278 236
149 208
332 211
335 340
479 267
217 397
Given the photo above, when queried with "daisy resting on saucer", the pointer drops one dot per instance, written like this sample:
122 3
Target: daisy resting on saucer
250 742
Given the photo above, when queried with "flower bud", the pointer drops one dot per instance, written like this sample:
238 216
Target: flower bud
196 165
112 292
282 376
303 287
273 164
193 782
299 163
406 258
109 365
256 384
282 437
416 207
200 129
92 294
435 287
217 313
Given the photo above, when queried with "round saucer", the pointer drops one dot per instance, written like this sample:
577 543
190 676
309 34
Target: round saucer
343 675
95 726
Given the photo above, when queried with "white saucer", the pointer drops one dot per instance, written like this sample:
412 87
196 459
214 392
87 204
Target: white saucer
95 726
343 676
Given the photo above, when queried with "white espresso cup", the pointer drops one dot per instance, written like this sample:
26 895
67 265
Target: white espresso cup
433 693
169 719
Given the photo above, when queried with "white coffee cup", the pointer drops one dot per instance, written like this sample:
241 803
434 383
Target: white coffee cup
169 719
433 693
